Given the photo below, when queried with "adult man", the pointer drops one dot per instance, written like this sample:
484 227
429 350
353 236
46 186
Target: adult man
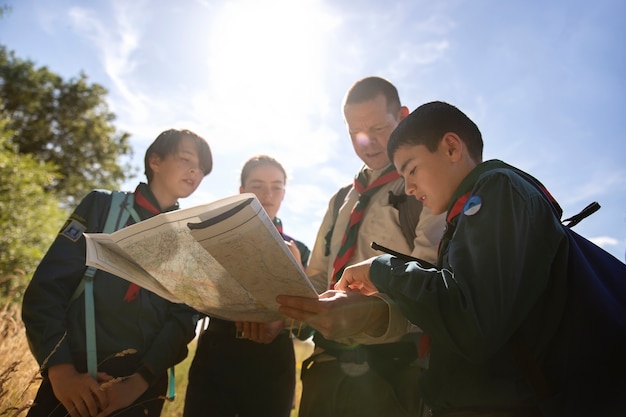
376 377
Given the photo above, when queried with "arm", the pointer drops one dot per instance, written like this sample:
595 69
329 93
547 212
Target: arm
49 293
46 303
494 271
169 346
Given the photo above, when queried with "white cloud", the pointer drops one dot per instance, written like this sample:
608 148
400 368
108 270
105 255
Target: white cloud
604 241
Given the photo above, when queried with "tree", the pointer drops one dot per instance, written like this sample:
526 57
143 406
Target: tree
30 217
65 123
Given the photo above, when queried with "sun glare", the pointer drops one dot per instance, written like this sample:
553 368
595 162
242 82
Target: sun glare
269 54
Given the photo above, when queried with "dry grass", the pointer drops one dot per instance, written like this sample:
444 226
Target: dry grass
19 376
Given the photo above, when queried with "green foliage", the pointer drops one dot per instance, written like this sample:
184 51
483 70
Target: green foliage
30 216
63 123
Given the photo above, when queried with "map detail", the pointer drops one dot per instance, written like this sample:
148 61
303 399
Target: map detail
225 259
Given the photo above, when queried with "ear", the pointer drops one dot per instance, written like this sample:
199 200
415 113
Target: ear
402 113
154 162
453 146
240 190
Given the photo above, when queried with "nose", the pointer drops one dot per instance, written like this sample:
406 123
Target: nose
410 188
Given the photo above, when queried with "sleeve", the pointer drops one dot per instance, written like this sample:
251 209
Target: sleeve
305 252
428 234
170 345
49 293
494 272
397 326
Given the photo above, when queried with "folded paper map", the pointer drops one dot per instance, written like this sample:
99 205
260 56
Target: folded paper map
226 259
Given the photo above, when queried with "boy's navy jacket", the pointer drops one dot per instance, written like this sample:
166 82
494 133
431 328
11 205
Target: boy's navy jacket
155 328
511 277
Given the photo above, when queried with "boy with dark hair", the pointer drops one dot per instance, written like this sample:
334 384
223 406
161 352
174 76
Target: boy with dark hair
139 335
500 274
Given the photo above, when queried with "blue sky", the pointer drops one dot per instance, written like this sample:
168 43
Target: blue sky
544 80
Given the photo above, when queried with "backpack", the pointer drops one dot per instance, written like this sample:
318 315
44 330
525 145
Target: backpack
587 358
409 210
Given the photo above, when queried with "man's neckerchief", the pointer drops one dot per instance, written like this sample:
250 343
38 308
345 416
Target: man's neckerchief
348 244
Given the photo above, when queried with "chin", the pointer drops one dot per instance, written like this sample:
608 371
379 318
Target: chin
377 165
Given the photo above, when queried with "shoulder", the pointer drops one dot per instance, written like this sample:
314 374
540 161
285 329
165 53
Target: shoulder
92 208
341 194
505 178
298 243
97 196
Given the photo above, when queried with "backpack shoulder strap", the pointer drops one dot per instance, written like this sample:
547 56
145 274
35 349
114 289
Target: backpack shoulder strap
340 197
120 209
409 210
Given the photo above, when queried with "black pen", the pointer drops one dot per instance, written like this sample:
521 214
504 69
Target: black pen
398 255
402 256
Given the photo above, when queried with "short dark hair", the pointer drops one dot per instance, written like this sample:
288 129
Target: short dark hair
167 144
369 88
427 124
257 161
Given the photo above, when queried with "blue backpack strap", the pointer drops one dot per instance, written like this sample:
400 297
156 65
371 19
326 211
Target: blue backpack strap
120 209
171 392
90 324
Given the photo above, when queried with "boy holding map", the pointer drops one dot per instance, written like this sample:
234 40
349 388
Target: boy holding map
139 335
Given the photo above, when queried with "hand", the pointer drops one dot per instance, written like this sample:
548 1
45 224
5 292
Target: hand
357 278
260 332
293 248
123 392
337 314
80 394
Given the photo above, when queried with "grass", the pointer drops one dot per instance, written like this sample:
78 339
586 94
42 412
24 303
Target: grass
19 372
19 376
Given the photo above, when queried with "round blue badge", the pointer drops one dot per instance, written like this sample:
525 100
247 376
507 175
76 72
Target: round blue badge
472 205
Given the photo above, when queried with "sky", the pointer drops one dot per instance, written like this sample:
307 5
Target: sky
544 80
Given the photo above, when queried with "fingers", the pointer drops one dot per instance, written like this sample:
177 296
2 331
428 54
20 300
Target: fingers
309 305
294 313
101 398
78 392
357 278
123 393
251 331
84 405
